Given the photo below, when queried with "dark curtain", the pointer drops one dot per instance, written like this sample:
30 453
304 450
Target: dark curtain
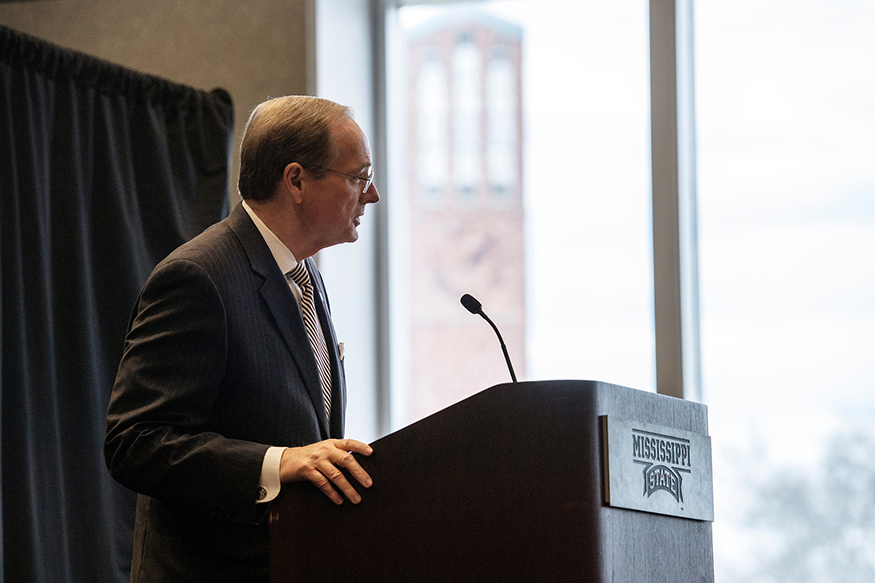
103 171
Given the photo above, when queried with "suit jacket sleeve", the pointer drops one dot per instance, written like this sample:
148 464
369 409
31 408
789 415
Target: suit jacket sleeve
160 440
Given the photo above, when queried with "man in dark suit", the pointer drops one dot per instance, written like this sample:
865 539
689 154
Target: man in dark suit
223 393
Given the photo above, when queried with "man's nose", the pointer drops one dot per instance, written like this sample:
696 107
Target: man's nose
372 194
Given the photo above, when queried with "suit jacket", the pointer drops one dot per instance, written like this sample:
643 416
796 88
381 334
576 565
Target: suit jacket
217 367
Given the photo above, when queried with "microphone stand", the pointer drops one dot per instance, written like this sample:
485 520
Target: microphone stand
475 307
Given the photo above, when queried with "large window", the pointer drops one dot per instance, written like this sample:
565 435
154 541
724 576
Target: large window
786 126
542 211
527 185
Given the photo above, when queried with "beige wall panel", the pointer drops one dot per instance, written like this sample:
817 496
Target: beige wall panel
254 50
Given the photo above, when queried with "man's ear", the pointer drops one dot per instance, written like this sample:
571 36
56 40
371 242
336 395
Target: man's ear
294 177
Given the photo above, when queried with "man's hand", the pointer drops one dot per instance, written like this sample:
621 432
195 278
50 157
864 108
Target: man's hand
320 463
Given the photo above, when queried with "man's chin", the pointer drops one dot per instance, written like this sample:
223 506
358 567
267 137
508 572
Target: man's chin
349 239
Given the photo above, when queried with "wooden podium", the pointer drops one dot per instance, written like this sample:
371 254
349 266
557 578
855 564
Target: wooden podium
507 485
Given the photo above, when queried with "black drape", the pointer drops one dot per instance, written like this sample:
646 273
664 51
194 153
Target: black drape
103 171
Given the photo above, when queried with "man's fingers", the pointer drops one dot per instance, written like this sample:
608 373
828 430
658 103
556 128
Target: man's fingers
349 463
321 463
329 474
354 446
324 484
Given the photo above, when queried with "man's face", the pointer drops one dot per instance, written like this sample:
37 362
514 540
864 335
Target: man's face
339 202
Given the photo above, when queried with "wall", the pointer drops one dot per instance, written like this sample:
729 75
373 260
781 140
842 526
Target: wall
254 50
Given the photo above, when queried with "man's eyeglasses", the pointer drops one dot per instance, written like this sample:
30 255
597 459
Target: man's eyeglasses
369 179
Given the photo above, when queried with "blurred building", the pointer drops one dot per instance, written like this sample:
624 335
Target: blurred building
466 215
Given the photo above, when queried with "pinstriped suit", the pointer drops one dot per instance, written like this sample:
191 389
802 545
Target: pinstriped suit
217 367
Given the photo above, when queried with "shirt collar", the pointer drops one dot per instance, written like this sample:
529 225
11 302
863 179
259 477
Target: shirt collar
284 258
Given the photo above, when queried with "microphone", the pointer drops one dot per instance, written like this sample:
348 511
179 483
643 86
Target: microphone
472 305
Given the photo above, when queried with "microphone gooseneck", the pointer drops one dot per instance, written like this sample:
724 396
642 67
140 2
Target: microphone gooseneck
472 305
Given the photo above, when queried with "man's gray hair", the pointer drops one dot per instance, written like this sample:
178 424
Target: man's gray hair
283 130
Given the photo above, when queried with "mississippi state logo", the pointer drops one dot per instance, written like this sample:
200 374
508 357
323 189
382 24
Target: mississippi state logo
665 459
657 469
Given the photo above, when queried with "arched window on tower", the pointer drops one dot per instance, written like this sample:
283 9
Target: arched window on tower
466 116
432 127
502 160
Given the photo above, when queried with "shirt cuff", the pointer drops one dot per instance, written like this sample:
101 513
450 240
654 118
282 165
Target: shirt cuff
269 482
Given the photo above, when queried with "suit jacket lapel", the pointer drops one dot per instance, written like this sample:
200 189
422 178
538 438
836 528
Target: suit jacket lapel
281 303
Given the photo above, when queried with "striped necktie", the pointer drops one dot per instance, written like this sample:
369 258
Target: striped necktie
314 331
